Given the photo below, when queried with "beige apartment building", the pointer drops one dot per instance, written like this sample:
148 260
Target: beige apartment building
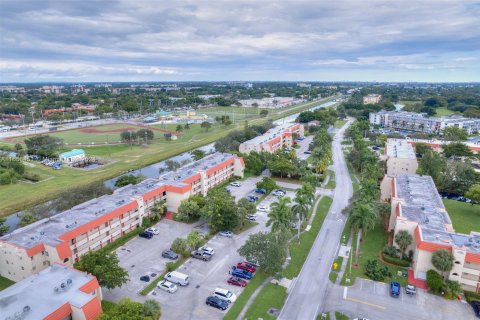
400 157
65 237
372 98
418 208
274 139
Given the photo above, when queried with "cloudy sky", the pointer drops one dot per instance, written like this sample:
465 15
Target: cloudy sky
141 40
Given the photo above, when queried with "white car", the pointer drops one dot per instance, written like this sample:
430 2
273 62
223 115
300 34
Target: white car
252 217
226 233
207 250
167 286
225 294
235 184
262 208
153 230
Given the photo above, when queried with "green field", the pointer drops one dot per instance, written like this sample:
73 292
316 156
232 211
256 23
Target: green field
444 112
124 158
271 296
5 283
465 217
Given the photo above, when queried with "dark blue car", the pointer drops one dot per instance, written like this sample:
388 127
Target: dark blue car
394 289
261 191
240 273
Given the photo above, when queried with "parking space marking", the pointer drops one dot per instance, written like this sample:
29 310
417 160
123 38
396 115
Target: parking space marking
367 303
345 289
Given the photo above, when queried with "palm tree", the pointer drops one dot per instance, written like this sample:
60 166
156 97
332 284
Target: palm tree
158 209
308 191
442 260
193 239
383 210
369 189
403 239
363 220
300 209
280 215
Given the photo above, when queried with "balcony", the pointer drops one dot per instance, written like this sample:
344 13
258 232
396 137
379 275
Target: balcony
470 277
472 266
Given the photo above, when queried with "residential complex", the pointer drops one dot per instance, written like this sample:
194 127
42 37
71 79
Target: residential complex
274 139
418 208
438 144
58 292
65 237
372 98
412 121
400 157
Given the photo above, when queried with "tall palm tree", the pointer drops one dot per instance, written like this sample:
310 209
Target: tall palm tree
443 261
300 209
280 215
308 191
403 239
363 220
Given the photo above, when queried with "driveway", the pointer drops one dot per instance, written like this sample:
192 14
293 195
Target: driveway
371 300
304 147
142 256
247 187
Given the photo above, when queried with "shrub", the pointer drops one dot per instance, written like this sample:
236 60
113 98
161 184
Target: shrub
180 246
472 296
396 261
170 266
375 271
391 251
31 176
434 281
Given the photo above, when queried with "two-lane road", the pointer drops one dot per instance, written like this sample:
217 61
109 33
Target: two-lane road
307 295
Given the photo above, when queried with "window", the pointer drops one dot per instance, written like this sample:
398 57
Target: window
65 260
106 224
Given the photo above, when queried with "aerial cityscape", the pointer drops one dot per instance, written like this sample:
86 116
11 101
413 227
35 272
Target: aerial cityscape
239 160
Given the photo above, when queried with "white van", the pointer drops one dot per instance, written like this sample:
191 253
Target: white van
178 278
225 294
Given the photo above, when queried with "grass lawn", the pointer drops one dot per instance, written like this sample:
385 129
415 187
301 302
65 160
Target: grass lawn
107 306
5 283
331 182
333 276
271 296
370 249
299 251
465 217
340 316
443 112
242 299
339 123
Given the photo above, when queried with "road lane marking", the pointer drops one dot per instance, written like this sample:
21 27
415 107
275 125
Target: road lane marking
345 289
367 303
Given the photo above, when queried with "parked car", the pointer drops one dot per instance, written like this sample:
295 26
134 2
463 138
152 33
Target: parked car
307 152
410 289
236 184
166 285
261 191
246 266
226 233
153 230
394 289
237 282
169 254
201 255
252 198
476 308
240 273
252 217
216 302
207 250
225 294
177 278
279 193
262 208
146 235
145 278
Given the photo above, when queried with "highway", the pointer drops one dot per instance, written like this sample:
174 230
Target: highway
307 295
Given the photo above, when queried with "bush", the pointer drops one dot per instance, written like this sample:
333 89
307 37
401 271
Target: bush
31 176
375 271
472 296
170 266
434 281
180 246
391 251
396 261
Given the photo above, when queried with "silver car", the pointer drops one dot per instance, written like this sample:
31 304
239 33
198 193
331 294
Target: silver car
166 285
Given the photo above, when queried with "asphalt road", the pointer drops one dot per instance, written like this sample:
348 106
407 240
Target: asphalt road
307 296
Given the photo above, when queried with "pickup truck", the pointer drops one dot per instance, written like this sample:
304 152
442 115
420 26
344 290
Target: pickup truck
410 289
202 255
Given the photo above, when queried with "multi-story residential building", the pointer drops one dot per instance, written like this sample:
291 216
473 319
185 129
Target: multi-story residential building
418 208
65 237
372 98
58 292
412 121
437 145
400 157
274 139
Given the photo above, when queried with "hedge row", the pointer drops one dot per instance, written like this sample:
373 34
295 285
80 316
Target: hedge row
396 261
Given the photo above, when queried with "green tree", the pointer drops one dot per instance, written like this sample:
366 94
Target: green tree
432 164
263 113
422 148
220 210
456 149
186 126
151 308
267 249
128 309
403 239
105 266
434 281
363 219
128 179
454 133
442 260
180 246
27 219
145 135
300 209
280 215
3 227
198 154
188 210
159 209
206 125
179 128
267 183
43 145
452 288
473 193
194 239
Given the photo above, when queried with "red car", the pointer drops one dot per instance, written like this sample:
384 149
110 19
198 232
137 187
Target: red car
246 266
237 282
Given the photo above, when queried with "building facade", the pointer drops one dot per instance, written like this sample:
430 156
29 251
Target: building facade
418 209
274 139
372 99
73 156
56 293
412 121
400 157
65 237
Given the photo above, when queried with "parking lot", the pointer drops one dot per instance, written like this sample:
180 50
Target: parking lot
372 300
304 147
143 257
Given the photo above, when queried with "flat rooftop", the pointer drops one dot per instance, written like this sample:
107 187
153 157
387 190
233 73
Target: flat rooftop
428 217
470 242
400 148
35 297
271 133
49 230
418 191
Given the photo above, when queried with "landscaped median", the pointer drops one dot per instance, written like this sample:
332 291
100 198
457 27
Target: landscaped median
271 296
170 267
